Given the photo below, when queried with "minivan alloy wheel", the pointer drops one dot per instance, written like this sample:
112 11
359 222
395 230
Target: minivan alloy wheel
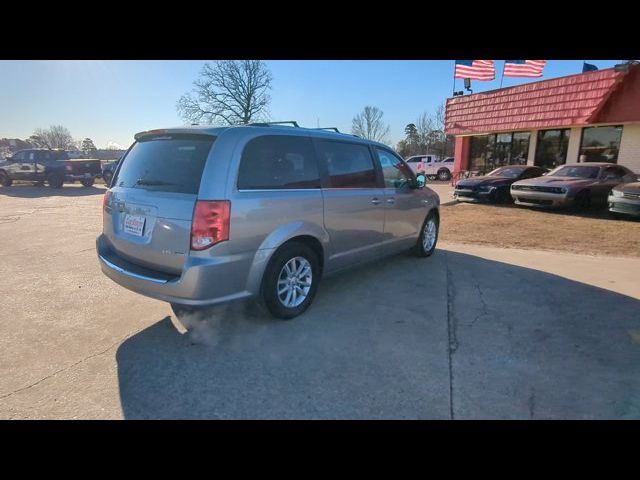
294 282
430 233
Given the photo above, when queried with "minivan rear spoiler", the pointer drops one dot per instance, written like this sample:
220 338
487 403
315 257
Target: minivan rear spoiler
177 131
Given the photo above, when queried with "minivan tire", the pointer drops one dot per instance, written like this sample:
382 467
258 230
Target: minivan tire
55 180
88 182
276 272
422 247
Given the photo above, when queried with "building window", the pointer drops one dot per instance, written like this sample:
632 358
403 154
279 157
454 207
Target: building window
551 149
488 152
503 149
520 148
600 144
480 152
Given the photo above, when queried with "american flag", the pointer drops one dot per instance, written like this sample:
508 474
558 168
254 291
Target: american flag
523 68
475 69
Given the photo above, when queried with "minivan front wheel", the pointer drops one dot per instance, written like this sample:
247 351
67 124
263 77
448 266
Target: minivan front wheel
291 280
428 236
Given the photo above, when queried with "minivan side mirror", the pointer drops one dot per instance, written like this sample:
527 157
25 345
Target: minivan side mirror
421 180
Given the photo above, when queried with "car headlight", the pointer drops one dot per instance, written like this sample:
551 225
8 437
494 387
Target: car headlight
485 188
616 193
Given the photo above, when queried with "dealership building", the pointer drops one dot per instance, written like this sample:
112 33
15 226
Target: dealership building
589 117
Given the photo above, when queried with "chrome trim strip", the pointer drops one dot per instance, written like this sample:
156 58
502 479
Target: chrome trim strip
248 190
130 274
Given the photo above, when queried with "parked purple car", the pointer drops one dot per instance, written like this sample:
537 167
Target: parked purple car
578 184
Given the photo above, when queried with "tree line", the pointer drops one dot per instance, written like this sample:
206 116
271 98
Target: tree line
236 92
54 137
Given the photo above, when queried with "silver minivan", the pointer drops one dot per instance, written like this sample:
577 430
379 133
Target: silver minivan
198 216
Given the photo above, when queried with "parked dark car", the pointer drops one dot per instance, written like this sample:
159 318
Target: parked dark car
577 184
51 166
108 169
625 198
494 187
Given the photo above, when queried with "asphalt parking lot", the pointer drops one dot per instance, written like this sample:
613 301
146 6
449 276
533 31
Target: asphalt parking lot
471 332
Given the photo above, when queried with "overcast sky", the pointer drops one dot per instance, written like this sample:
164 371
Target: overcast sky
109 101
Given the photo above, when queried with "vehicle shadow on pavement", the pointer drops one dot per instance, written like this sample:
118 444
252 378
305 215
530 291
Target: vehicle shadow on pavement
454 335
30 191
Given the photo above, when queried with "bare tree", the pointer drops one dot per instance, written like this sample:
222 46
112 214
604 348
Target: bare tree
430 129
55 136
424 127
368 124
445 143
228 92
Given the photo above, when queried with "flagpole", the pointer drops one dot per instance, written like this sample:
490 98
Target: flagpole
454 78
502 76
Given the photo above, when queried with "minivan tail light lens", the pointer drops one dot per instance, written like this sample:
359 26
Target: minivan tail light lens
105 199
210 224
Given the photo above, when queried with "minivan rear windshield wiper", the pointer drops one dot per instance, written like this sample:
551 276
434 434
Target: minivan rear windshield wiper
141 181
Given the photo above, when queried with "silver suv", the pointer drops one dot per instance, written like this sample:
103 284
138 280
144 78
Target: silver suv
198 216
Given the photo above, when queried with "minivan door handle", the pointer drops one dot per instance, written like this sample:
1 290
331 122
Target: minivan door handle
391 201
375 200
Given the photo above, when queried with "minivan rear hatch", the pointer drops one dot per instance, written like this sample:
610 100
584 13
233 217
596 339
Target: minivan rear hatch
147 218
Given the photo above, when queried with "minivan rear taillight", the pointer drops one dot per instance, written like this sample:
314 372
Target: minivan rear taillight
105 200
210 224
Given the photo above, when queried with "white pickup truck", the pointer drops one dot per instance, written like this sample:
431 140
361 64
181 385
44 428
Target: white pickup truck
432 168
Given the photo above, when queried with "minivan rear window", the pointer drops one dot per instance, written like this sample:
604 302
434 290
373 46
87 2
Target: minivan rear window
168 163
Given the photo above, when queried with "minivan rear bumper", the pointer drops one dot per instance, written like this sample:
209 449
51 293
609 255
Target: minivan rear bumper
203 281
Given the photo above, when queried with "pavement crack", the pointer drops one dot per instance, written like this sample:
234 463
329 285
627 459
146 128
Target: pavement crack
21 389
24 213
485 309
451 330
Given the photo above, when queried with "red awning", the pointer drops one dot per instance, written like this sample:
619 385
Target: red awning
558 102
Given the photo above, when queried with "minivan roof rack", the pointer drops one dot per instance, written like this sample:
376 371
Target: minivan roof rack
328 128
267 124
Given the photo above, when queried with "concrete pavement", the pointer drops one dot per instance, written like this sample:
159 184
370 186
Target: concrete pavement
444 191
471 332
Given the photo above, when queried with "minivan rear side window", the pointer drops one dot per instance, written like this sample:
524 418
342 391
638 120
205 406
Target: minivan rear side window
170 163
278 162
350 165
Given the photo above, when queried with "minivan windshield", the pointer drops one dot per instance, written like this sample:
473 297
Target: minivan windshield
170 163
576 171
